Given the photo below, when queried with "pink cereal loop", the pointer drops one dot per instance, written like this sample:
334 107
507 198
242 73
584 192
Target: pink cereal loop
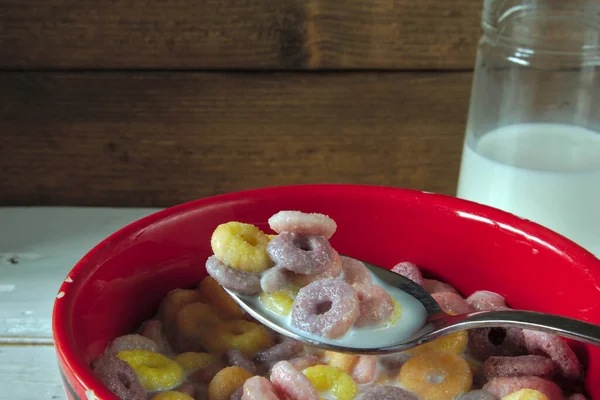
259 388
355 271
484 300
557 349
292 383
528 365
434 286
410 271
364 370
503 386
313 224
375 305
452 303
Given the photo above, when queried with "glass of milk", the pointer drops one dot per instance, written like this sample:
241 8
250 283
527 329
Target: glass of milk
532 144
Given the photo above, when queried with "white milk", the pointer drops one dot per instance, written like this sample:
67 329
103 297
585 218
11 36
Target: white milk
548 173
412 318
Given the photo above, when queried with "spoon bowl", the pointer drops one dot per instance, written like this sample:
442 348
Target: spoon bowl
436 323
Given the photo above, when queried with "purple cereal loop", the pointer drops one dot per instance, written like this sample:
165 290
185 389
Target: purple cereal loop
452 303
410 271
355 271
503 386
484 300
557 349
328 307
284 350
131 342
577 396
241 282
275 279
375 305
237 359
307 255
333 271
528 365
487 342
303 223
154 330
386 393
119 378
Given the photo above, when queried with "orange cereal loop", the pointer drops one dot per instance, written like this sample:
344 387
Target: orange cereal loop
241 246
174 301
171 395
220 299
227 381
526 394
192 361
345 362
436 375
455 343
194 319
248 337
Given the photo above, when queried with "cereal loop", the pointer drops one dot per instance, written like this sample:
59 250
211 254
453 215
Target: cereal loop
303 362
487 342
187 388
241 282
173 302
343 361
375 305
154 329
355 271
220 299
526 394
333 271
283 350
131 342
237 359
478 395
191 361
246 336
364 370
436 376
409 270
557 349
306 255
313 224
259 388
275 279
227 381
325 378
195 320
452 303
119 378
386 393
155 371
291 383
172 395
279 302
484 300
504 386
455 343
433 286
241 246
529 365
328 307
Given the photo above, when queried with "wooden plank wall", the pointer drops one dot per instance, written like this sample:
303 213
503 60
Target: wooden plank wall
153 103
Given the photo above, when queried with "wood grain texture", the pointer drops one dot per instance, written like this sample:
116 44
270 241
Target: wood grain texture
157 139
249 34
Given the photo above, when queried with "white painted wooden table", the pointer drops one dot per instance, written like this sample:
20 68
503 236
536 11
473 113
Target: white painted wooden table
38 247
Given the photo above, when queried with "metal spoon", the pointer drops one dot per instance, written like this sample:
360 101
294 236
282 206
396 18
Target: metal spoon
437 323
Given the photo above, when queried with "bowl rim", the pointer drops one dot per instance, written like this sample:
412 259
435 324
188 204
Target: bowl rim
64 342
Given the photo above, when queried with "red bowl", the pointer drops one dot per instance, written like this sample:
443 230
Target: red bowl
120 282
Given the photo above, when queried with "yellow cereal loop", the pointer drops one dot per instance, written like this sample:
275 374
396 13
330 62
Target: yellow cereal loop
337 382
241 246
455 343
172 395
279 302
526 394
191 361
436 375
155 371
226 381
271 237
219 298
345 362
246 336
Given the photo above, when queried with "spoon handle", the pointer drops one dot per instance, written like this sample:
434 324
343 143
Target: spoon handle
550 323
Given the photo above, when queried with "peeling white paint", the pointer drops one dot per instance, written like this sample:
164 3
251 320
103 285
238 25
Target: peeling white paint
69 280
90 395
60 295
